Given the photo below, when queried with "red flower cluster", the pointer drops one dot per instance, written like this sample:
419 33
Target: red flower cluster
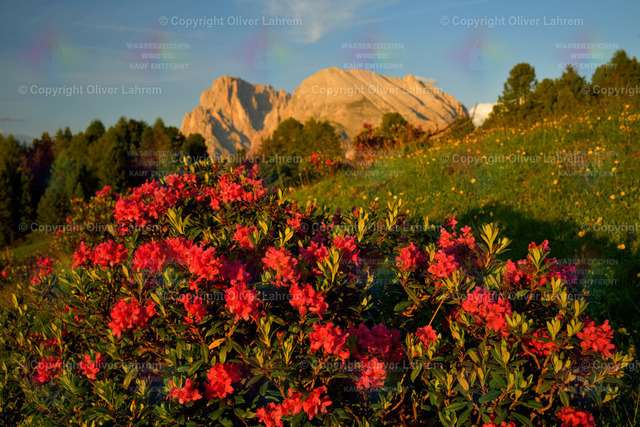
44 268
410 258
152 256
82 256
295 222
331 338
242 302
348 247
374 348
280 260
242 235
378 341
443 266
184 394
230 191
307 299
502 424
597 338
183 184
235 272
106 191
539 347
454 243
488 309
315 403
204 264
221 376
194 307
453 250
372 374
572 418
108 254
146 203
427 335
37 339
127 315
316 253
47 369
521 273
90 368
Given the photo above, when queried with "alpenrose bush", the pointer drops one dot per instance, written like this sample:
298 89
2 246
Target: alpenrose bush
212 300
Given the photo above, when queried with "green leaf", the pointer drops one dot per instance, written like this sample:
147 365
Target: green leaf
456 406
524 420
195 367
130 376
217 413
564 398
489 396
533 404
402 306
415 372
263 388
464 417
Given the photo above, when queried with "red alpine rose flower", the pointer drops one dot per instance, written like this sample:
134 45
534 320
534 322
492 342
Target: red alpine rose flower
271 415
242 235
47 369
488 309
280 260
427 335
307 299
242 302
410 258
573 418
44 267
347 246
331 338
315 404
108 254
90 368
194 307
130 315
220 377
82 256
597 339
372 374
184 394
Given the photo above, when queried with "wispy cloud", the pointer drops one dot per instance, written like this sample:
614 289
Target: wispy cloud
320 17
9 119
427 80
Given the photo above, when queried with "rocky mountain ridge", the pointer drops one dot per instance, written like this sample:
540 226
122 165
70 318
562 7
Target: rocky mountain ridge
235 114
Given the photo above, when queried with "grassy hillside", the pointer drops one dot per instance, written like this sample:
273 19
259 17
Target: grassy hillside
573 181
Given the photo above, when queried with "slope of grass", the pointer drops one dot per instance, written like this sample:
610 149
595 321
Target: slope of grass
574 181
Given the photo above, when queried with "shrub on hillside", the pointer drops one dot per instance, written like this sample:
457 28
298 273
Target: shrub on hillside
238 307
282 155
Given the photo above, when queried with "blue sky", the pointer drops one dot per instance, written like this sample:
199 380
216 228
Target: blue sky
66 63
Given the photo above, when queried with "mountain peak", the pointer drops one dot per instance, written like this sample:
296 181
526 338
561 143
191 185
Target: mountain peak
235 114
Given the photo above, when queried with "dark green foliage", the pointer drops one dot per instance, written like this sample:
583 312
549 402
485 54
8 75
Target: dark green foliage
291 142
391 121
15 189
122 156
521 82
40 157
195 147
461 126
525 101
